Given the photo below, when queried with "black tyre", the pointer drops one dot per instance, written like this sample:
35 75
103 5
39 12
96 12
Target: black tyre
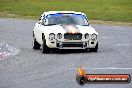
36 45
94 49
45 48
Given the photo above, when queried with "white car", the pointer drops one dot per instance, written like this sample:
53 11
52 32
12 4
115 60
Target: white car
64 30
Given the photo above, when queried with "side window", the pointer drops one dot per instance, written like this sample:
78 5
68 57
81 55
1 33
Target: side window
87 22
43 20
46 20
43 17
40 18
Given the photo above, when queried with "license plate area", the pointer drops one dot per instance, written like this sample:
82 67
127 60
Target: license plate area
72 44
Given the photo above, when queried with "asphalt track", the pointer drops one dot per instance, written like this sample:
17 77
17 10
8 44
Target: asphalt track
31 69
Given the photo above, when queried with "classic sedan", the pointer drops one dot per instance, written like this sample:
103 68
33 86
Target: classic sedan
64 30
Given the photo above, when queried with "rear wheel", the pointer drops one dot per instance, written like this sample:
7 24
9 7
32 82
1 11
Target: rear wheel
94 49
36 45
45 48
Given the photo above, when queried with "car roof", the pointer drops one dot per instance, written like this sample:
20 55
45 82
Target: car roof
55 12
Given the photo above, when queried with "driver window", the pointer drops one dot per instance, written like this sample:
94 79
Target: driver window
46 21
40 18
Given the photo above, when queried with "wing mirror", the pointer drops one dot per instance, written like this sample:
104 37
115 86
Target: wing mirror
88 23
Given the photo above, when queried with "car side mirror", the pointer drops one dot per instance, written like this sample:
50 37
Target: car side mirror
88 24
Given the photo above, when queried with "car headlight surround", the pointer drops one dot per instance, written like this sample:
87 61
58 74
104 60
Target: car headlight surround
59 36
94 37
51 36
86 36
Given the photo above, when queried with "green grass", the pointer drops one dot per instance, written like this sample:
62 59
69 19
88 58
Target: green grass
106 10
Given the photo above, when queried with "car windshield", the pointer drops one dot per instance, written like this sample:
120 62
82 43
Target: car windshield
66 19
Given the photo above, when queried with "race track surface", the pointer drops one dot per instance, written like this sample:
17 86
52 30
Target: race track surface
31 69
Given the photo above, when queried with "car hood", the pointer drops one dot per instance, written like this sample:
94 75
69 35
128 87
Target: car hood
69 29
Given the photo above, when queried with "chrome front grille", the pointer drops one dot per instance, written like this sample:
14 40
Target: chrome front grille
77 36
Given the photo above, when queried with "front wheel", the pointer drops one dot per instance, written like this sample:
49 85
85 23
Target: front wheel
36 45
94 49
45 48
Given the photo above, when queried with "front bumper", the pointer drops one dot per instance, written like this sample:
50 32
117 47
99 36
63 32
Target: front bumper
72 44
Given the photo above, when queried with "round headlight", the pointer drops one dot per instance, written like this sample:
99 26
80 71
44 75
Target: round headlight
86 36
94 36
59 35
51 36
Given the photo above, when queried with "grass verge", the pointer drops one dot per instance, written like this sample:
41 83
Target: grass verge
104 10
